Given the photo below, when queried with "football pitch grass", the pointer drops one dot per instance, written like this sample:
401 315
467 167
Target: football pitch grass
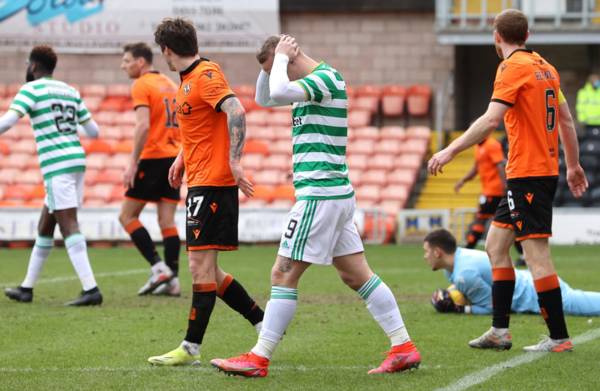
331 343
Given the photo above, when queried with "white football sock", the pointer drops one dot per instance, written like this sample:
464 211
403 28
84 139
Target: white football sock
382 305
278 314
39 255
77 250
190 347
161 267
258 327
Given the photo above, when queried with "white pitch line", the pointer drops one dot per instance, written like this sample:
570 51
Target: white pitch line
55 280
485 374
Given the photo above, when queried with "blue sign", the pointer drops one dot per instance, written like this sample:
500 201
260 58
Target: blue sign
39 11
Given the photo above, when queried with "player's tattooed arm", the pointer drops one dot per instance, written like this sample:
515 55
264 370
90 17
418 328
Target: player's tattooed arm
236 123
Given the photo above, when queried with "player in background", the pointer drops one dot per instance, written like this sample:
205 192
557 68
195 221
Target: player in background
156 144
470 271
320 227
489 164
527 95
212 123
56 112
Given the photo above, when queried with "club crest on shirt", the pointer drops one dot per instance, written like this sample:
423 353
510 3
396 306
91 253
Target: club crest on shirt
186 89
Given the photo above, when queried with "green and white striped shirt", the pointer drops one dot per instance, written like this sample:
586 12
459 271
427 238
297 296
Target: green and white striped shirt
320 136
55 110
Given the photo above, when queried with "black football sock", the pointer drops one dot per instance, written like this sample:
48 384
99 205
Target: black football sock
503 287
172 245
203 302
236 297
142 240
551 307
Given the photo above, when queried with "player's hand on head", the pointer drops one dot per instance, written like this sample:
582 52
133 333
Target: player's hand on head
242 182
439 160
577 181
287 45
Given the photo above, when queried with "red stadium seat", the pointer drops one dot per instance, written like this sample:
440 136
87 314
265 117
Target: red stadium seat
411 161
381 161
116 103
4 148
365 133
358 118
284 192
101 192
419 97
362 147
392 133
117 194
355 176
402 176
98 146
16 160
418 132
368 90
393 101
388 147
252 161
3 90
282 133
91 176
264 193
124 146
256 146
18 193
368 193
98 90
367 103
416 146
357 161
374 177
110 175
9 175
395 193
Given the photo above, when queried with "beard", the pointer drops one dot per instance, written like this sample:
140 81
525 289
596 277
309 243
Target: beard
29 75
499 51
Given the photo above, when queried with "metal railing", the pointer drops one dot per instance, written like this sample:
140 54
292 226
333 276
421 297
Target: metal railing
478 15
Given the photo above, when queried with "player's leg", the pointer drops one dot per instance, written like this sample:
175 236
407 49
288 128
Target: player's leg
39 254
476 230
547 286
236 297
202 265
500 238
279 312
521 259
381 303
172 246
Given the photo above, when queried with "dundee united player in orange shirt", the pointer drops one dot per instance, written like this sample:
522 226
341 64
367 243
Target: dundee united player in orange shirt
156 144
527 94
213 127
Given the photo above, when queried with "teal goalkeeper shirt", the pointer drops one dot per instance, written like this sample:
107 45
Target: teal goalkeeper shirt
472 275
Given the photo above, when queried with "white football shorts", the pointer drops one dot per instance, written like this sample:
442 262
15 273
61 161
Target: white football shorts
317 231
64 191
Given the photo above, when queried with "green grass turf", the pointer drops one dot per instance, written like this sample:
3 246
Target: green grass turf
331 343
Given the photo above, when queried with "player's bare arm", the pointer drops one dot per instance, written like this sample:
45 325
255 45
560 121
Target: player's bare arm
468 176
501 168
575 175
236 124
477 132
142 125
176 171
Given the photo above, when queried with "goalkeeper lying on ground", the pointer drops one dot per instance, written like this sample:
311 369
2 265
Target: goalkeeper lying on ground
471 274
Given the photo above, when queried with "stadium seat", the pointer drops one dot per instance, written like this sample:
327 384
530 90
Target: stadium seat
9 175
16 160
38 192
5 103
368 193
358 118
260 132
362 147
100 192
263 193
392 207
116 103
257 118
256 146
123 146
104 118
126 118
18 193
248 102
366 103
12 89
4 149
357 161
96 161
374 177
409 160
388 147
3 90
395 193
393 101
111 133
117 194
418 132
252 161
281 204
415 146
590 162
30 177
98 90
110 175
282 147
392 133
93 104
280 116
402 176
419 97
278 162
254 203
368 90
99 146
381 161
284 192
119 90
282 133
244 90
118 161
365 133
269 177
355 176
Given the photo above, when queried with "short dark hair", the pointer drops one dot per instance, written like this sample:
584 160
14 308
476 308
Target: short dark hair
139 49
512 26
267 49
177 34
443 239
44 57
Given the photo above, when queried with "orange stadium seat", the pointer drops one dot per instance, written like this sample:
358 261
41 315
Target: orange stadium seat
393 101
392 207
256 146
98 90
355 176
15 133
281 147
281 204
257 118
96 161
117 194
280 118
388 146
100 192
120 90
417 146
278 162
12 89
368 193
19 193
259 132
118 161
269 177
367 103
248 102
358 118
357 161
252 161
104 118
402 176
16 160
381 161
91 176
409 160
419 97
418 132
110 175
1 193
92 103
116 103
395 193
111 133
244 90
126 118
392 133
30 177
124 146
284 192
365 133
282 133
363 147
4 148
9 175
374 177
38 192
98 146
368 90
263 193
254 203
